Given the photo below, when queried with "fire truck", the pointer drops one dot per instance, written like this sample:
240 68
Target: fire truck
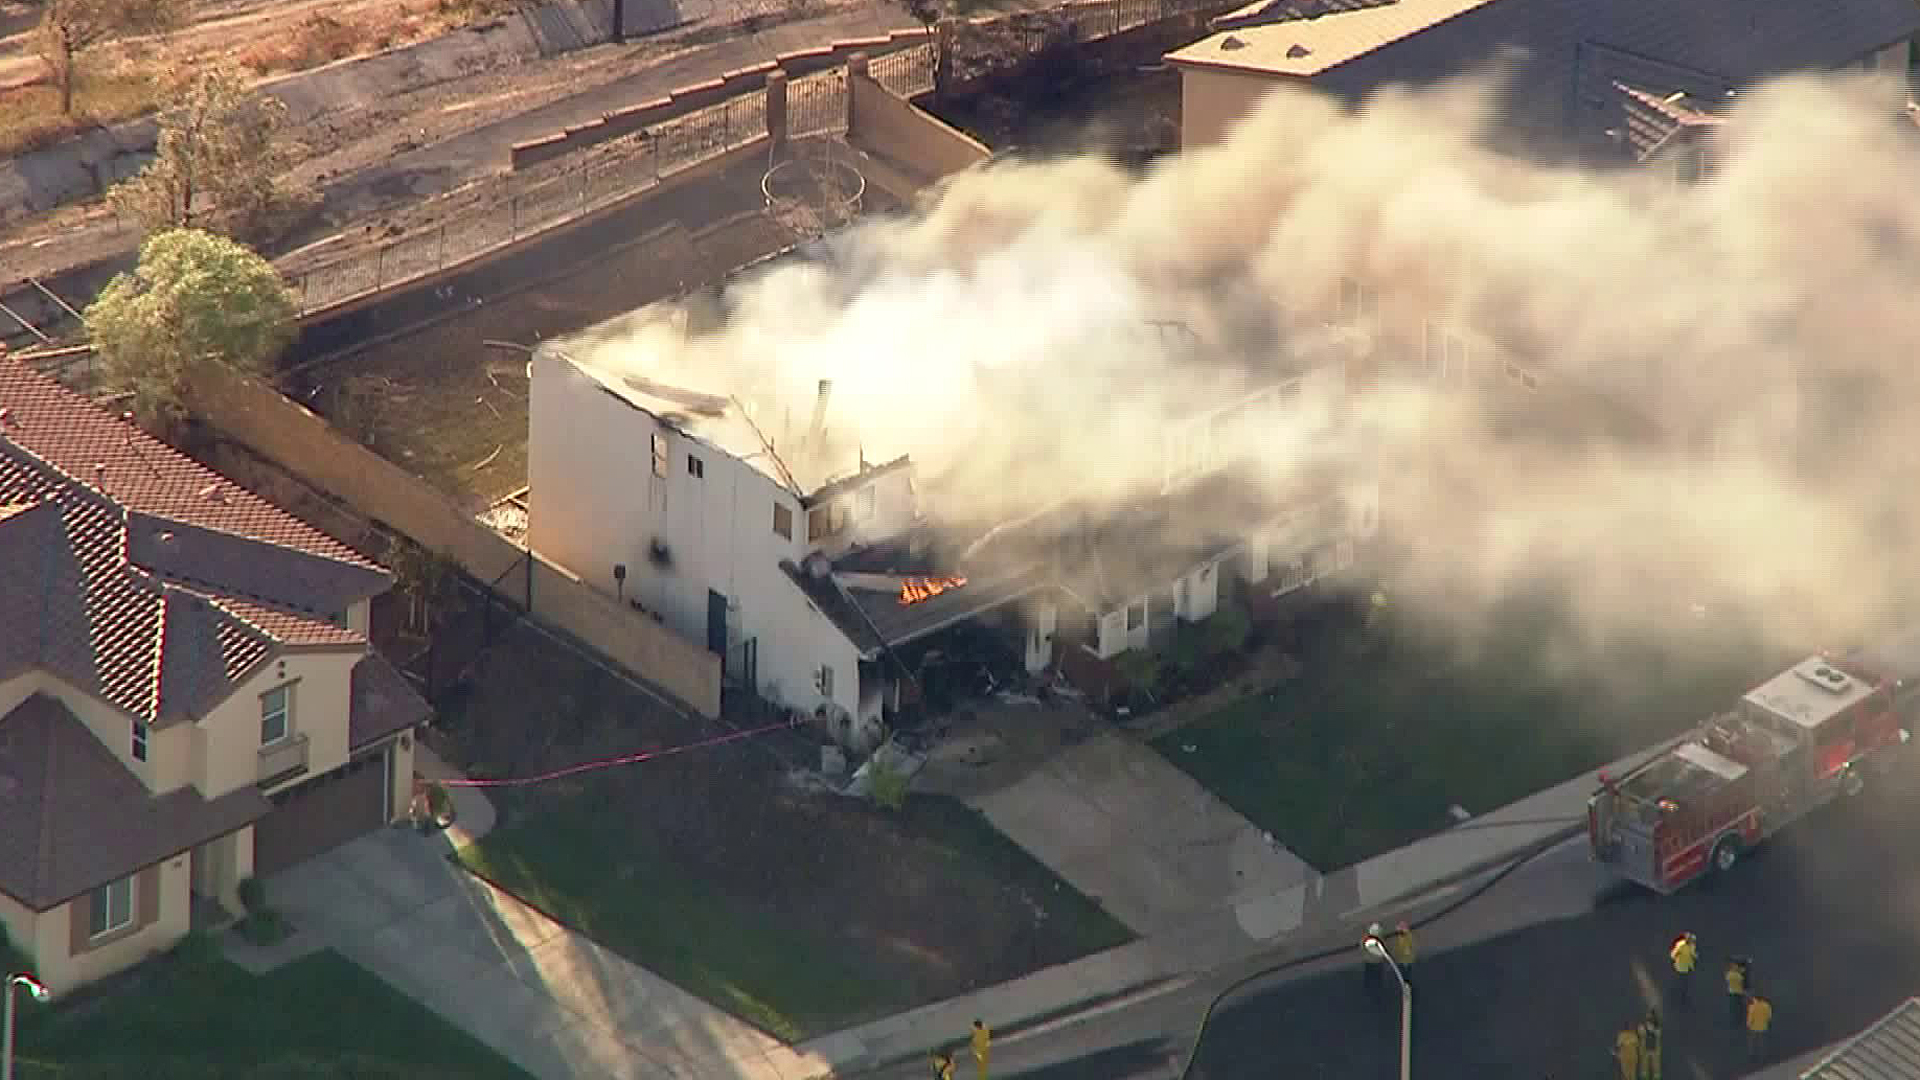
1810 734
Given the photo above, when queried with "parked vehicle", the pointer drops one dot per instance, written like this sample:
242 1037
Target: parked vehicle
1815 732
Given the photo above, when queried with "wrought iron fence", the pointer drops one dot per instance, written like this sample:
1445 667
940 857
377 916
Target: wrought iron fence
514 208
817 104
907 73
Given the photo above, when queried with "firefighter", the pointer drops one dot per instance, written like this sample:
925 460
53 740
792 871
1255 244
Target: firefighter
943 1065
1626 1051
1738 970
1650 1040
1684 953
982 1039
1759 1019
1372 969
1401 945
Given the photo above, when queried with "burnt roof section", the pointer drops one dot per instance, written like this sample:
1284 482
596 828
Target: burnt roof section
874 619
1653 120
72 818
133 586
1889 1050
825 492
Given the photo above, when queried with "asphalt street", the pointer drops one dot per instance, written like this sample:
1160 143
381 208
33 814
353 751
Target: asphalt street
1532 978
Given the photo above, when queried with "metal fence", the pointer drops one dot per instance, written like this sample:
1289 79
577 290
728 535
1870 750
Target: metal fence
818 104
513 208
907 73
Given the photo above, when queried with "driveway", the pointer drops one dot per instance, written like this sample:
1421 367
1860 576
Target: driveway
1110 816
553 1002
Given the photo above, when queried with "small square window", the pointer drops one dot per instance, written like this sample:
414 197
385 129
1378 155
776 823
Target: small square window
110 907
139 740
659 454
276 714
696 468
783 521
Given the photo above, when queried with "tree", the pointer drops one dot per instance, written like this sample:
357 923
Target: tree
220 147
425 577
195 299
71 27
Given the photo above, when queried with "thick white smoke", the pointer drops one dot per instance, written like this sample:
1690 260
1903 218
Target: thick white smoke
996 335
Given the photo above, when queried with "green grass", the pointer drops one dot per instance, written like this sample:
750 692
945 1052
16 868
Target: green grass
965 835
193 1014
633 899
1388 727
32 119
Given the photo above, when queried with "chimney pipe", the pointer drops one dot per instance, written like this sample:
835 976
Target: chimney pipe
819 416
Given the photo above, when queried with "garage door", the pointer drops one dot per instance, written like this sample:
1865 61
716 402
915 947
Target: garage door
322 814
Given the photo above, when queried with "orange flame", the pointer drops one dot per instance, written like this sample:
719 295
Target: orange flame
914 590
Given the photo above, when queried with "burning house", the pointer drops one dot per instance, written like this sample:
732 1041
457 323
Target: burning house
819 576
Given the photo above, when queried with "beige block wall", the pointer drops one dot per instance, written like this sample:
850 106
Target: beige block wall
402 778
321 699
162 910
112 727
885 124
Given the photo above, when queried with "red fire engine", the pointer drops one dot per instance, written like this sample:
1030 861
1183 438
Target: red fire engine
1809 734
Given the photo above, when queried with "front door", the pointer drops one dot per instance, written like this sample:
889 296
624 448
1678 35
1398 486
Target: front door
717 623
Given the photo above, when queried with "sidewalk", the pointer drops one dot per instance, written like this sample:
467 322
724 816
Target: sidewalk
1250 925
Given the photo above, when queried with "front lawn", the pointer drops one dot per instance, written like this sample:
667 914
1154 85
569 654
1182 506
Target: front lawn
798 910
1385 728
193 1014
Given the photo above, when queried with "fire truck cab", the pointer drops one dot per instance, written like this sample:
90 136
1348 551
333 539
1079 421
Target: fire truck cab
1805 736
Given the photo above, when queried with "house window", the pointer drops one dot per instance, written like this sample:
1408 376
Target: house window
818 525
824 680
659 454
276 714
1136 615
1356 300
837 519
139 740
111 908
863 504
783 520
696 468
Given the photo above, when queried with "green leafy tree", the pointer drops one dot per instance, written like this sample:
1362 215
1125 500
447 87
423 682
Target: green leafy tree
218 153
195 299
69 28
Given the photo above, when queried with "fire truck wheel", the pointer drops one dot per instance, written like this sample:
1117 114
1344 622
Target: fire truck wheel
1726 854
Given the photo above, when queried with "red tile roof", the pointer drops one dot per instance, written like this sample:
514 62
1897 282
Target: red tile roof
1652 119
72 818
154 583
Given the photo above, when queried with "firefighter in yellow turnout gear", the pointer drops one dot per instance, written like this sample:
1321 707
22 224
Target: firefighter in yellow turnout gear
1685 953
982 1039
1626 1051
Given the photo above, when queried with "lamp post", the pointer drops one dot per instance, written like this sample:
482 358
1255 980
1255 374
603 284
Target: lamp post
39 993
1378 950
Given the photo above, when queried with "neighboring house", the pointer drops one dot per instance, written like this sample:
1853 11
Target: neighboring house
808 575
1889 1050
187 698
1578 69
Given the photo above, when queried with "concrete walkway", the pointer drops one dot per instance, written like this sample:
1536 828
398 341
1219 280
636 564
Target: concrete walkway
1127 828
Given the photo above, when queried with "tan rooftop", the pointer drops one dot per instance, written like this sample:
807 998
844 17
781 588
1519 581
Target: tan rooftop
1305 47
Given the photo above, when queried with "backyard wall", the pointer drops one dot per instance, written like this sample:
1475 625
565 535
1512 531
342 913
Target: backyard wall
286 433
899 133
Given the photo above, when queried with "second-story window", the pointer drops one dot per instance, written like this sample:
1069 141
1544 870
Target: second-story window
819 525
783 521
696 468
139 740
659 454
863 504
276 714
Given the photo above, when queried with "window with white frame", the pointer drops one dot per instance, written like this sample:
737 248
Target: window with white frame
139 740
1136 615
823 679
110 907
783 521
276 714
696 468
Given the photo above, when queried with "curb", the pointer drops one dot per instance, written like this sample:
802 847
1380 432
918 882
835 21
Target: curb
1480 866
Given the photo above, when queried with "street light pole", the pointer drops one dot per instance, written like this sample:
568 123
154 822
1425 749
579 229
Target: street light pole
39 993
1378 950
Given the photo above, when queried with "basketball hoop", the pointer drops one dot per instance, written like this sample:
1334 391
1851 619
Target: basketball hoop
812 188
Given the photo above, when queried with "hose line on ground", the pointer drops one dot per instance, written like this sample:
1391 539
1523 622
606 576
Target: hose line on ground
1244 981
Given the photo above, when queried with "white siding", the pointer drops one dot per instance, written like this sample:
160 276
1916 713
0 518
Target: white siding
1042 620
1201 596
1113 635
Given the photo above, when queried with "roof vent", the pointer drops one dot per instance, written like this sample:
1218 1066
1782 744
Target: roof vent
165 538
1229 43
213 493
100 474
1297 51
1827 678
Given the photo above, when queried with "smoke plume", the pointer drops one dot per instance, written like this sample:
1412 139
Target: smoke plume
1009 335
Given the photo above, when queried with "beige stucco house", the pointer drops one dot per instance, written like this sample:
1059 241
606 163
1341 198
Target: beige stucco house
187 696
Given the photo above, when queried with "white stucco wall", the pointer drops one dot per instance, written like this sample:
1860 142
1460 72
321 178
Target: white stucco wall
1200 596
1213 101
63 971
1042 621
876 509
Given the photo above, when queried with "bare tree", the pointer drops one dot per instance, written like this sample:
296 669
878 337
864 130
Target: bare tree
69 28
219 148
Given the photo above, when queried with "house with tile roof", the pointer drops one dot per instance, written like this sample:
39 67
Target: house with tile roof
187 694
1583 77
